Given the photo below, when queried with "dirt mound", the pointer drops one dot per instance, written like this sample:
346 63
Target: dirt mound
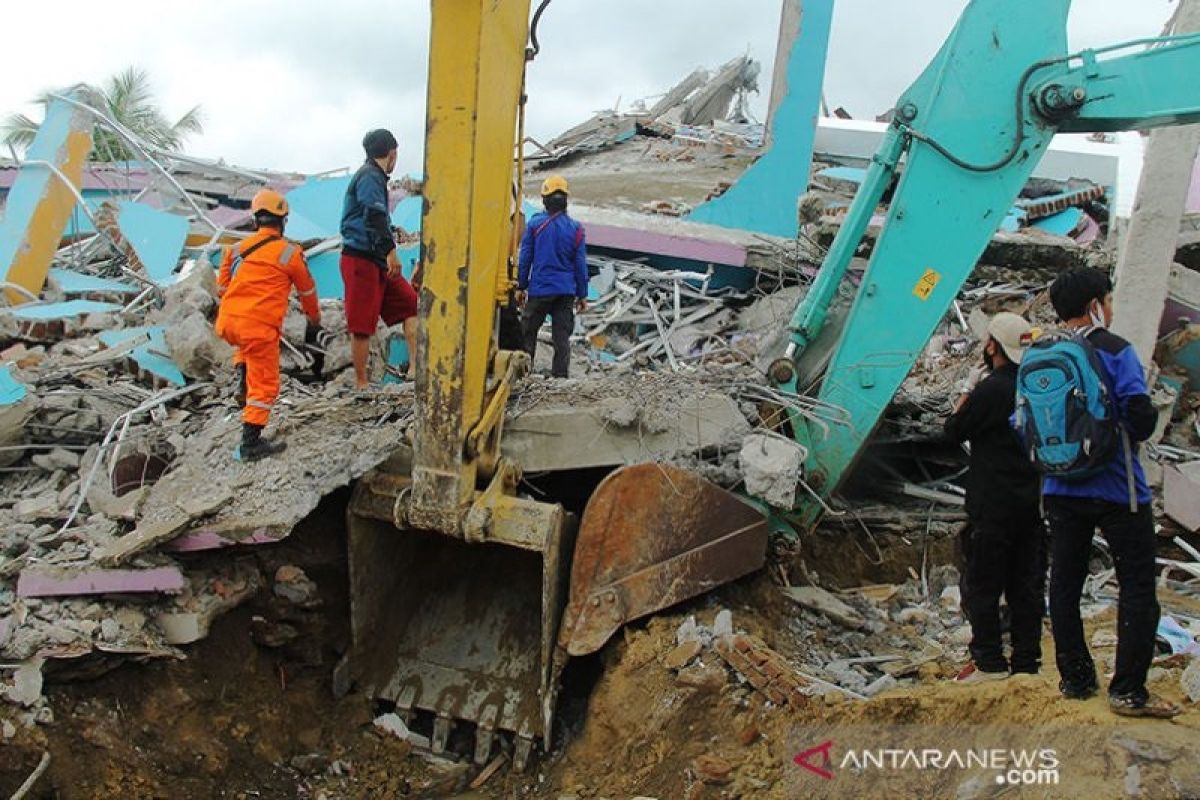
655 732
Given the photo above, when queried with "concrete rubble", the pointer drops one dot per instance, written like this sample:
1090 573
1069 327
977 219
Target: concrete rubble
121 425
126 527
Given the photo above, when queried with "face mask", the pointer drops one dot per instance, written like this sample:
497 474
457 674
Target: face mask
1096 314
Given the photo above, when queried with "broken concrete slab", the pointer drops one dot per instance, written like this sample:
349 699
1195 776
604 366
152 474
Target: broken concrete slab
62 581
157 238
553 437
145 536
26 687
195 347
664 236
331 441
771 466
208 596
817 599
44 506
1181 494
152 356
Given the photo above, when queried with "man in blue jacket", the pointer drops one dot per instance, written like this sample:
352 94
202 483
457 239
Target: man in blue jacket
552 274
1082 299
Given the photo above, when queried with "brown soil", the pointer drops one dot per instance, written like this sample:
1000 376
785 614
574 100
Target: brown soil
231 719
645 733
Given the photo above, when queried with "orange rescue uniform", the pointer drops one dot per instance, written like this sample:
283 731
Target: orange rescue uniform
255 281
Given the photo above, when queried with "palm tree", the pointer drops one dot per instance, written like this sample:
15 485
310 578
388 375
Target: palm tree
125 98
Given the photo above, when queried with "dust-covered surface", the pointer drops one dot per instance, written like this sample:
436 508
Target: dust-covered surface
331 440
658 713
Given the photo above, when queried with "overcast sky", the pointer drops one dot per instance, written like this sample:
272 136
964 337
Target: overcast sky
293 84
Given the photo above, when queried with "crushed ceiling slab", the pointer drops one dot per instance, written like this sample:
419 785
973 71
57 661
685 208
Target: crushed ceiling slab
75 285
151 357
57 582
331 441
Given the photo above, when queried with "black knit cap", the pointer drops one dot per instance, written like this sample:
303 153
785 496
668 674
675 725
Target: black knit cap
379 142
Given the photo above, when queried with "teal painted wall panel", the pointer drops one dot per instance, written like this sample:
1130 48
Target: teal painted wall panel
764 198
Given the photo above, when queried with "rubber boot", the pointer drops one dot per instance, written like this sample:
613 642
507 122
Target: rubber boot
240 397
254 447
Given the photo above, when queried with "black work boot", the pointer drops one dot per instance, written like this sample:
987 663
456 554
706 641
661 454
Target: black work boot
1078 681
254 447
240 397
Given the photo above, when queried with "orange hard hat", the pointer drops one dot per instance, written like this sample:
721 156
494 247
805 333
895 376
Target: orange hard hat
270 201
555 183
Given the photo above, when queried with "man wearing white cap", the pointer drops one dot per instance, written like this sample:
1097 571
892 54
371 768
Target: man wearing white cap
1004 543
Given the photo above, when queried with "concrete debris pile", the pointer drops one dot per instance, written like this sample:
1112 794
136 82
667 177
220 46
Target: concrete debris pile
855 643
1068 214
701 111
648 314
121 487
117 431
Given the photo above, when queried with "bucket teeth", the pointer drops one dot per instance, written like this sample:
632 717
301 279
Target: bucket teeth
441 734
485 734
405 703
522 753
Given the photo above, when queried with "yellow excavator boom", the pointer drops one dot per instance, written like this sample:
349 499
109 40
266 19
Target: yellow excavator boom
459 584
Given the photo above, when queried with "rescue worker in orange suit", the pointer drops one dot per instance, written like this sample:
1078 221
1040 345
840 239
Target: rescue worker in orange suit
255 282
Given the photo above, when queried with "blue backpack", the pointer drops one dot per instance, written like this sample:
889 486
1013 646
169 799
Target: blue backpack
1064 409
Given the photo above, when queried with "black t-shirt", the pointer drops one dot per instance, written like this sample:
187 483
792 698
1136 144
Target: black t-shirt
1001 482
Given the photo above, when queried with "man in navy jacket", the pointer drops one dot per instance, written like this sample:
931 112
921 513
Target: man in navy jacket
552 274
375 287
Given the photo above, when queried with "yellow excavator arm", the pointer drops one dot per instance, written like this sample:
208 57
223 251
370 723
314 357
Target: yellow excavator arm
458 584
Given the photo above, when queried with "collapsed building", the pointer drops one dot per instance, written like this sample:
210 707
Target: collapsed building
124 516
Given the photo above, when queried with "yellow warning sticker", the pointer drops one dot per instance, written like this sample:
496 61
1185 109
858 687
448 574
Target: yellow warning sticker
925 286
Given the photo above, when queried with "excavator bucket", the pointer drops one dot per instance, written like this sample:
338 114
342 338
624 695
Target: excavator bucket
653 535
454 631
474 632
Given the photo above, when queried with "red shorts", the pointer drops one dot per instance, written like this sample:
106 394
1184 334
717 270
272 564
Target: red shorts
371 295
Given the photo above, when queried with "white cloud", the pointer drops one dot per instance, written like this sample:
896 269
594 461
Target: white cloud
293 84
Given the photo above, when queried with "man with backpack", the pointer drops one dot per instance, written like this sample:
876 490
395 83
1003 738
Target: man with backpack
1082 407
1003 544
552 274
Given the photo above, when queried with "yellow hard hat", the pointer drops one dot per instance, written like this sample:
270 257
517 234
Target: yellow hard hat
555 183
270 201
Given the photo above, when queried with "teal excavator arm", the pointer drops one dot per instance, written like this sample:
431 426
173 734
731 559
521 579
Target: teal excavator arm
970 132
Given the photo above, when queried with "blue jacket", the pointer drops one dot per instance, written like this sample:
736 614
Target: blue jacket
366 224
553 258
1128 383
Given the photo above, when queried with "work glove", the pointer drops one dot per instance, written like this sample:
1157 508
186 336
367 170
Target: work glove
315 341
972 380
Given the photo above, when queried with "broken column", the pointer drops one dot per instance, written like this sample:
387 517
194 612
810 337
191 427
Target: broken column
1148 249
771 467
40 203
764 197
